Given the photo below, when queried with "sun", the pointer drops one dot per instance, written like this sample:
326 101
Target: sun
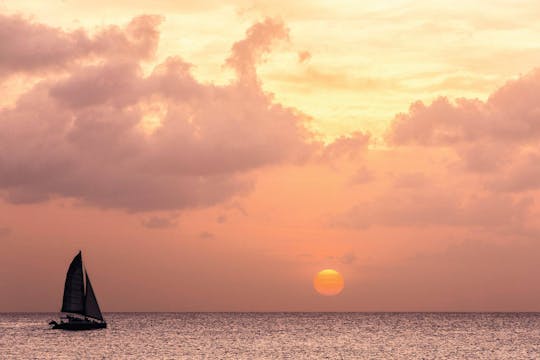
328 282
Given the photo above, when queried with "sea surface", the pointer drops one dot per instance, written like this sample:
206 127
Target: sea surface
278 336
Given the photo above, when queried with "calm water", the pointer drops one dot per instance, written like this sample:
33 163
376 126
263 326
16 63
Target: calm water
278 336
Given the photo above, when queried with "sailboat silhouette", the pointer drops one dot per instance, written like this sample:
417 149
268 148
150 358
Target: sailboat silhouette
81 307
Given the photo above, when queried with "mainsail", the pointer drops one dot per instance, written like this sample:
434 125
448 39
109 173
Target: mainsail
73 301
91 307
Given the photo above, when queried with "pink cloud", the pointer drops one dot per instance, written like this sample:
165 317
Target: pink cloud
362 176
349 146
511 114
81 136
522 175
30 46
259 39
496 140
159 222
459 163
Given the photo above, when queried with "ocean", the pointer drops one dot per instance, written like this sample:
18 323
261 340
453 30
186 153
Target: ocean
278 336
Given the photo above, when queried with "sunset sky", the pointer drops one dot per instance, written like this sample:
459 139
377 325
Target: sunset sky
214 155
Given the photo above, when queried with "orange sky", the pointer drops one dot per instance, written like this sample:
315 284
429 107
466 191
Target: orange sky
214 157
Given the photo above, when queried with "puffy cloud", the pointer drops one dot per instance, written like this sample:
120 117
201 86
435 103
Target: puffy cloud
30 46
511 114
440 123
116 83
259 39
484 156
83 136
496 144
496 140
522 175
349 146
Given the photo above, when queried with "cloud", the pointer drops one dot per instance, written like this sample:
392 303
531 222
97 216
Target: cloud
27 46
349 146
304 56
510 115
410 180
84 135
115 83
484 156
348 258
466 163
159 222
221 219
361 176
522 175
206 235
259 38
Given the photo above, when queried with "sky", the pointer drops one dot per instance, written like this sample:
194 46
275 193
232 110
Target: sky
214 156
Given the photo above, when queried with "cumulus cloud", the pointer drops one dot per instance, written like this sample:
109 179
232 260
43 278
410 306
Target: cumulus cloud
485 135
83 135
348 146
522 175
29 46
511 114
259 38
461 163
484 156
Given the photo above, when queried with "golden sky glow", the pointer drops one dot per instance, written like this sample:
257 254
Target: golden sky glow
368 60
233 149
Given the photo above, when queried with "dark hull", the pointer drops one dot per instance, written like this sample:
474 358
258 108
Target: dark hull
76 326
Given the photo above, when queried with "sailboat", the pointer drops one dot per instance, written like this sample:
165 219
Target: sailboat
80 306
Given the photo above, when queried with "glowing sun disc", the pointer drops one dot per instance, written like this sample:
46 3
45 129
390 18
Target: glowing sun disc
328 282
